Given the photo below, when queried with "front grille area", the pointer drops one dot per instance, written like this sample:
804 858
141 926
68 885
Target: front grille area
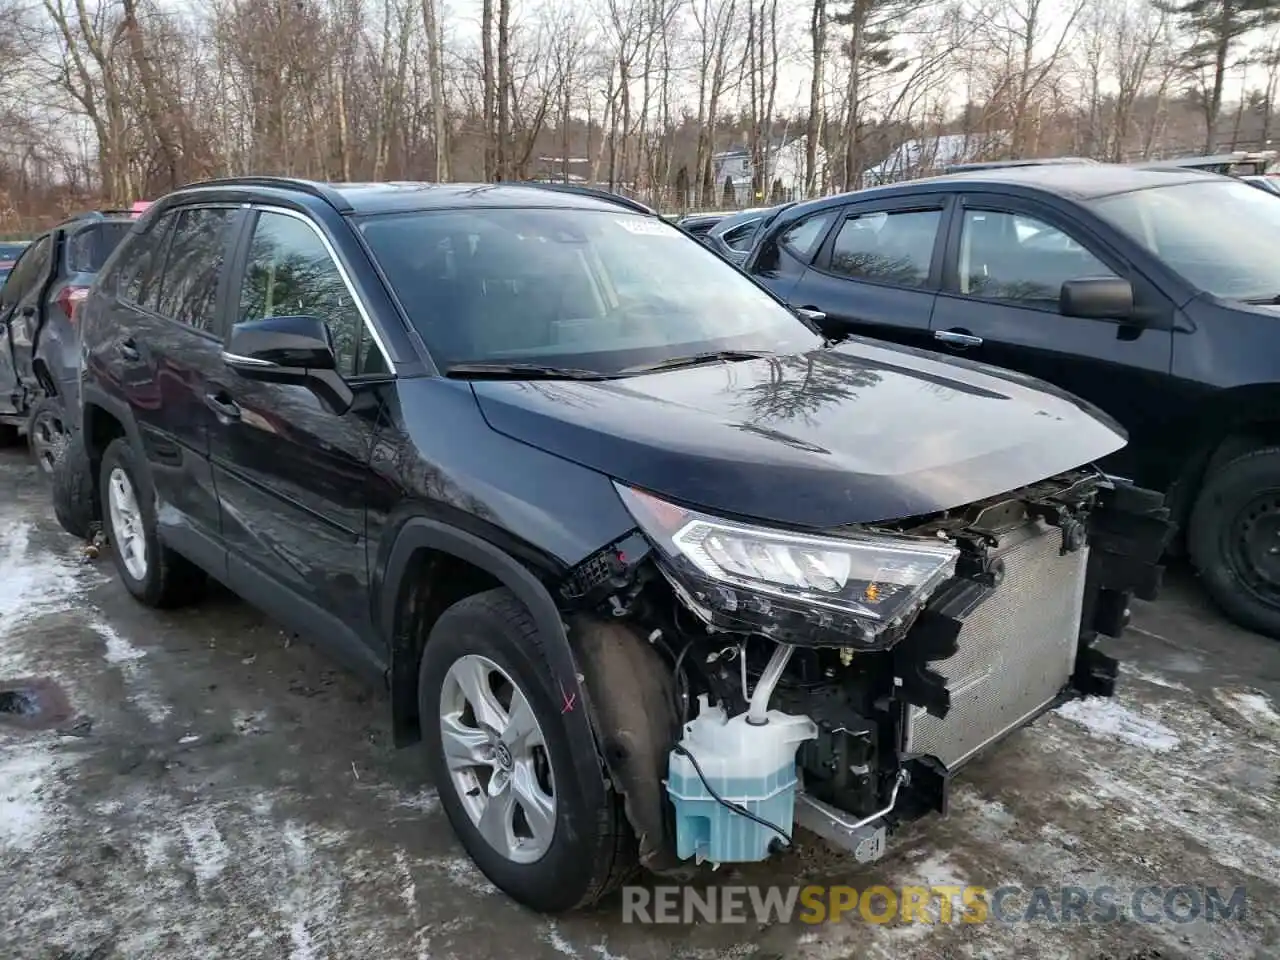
1015 651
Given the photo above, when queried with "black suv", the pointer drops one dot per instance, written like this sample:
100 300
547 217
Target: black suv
39 355
558 475
1153 293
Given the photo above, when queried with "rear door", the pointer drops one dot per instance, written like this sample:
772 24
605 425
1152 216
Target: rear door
1006 262
169 346
20 299
292 475
878 271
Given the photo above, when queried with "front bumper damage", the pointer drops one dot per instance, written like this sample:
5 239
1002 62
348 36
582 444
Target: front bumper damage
1045 573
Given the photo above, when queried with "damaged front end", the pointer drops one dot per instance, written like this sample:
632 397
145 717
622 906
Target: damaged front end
744 678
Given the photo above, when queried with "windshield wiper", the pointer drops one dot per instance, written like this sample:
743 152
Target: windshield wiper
520 371
1274 299
694 359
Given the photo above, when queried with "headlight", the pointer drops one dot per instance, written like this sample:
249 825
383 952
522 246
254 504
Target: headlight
856 585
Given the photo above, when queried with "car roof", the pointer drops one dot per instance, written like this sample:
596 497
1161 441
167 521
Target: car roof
358 199
1077 182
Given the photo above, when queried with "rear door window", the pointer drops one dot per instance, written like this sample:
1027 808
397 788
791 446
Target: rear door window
887 247
139 268
193 266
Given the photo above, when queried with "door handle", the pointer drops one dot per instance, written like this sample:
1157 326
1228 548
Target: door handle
225 409
957 338
129 349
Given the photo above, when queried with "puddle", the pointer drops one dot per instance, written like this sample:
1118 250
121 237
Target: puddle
33 704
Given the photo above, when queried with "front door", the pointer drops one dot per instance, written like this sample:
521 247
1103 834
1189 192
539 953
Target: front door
292 474
1006 265
878 271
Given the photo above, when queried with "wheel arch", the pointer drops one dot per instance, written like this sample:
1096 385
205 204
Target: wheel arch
1230 424
480 565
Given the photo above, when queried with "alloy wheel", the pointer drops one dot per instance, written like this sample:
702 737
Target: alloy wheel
46 434
497 758
126 524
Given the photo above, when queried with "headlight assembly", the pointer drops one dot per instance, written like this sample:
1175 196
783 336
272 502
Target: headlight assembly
856 586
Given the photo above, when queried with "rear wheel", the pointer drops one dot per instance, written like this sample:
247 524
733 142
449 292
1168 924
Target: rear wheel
500 756
71 476
1234 539
45 431
151 571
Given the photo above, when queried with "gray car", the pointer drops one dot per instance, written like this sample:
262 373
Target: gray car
733 236
38 360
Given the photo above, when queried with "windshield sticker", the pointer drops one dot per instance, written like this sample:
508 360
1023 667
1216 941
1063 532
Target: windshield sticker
647 228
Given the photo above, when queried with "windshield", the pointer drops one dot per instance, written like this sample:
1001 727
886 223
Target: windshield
1222 236
599 291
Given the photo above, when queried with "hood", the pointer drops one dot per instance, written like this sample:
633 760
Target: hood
858 433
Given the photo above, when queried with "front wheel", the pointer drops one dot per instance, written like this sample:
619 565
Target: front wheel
499 752
1234 539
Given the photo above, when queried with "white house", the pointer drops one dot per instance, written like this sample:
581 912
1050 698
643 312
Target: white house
785 164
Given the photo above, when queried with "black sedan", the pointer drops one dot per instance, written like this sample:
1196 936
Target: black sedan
1152 293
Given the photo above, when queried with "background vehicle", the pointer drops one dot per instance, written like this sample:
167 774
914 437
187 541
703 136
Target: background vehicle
38 352
1005 164
1151 293
1237 164
698 224
501 526
732 237
10 250
1268 182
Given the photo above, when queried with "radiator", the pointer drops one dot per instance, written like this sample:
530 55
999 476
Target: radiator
1015 652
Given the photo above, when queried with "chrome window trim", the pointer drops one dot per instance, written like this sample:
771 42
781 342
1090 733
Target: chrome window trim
342 271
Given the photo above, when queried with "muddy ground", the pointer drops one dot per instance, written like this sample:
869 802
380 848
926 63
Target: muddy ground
221 790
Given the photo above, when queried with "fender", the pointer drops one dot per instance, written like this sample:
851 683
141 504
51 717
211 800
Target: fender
422 532
94 402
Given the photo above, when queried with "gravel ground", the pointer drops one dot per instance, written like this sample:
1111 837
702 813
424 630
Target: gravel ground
220 789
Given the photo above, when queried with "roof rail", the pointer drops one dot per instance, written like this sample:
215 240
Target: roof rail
312 188
593 192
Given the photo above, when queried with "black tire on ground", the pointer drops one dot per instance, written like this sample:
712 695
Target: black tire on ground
168 579
72 487
1237 496
592 851
45 430
10 436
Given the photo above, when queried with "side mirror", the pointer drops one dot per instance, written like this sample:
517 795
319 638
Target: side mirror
1097 298
296 350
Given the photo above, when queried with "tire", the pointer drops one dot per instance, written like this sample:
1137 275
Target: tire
152 572
45 430
1233 524
71 482
586 853
10 436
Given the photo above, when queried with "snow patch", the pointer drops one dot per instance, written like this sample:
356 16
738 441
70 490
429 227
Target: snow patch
1155 679
26 776
128 660
551 935
463 873
206 849
1106 719
1253 706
